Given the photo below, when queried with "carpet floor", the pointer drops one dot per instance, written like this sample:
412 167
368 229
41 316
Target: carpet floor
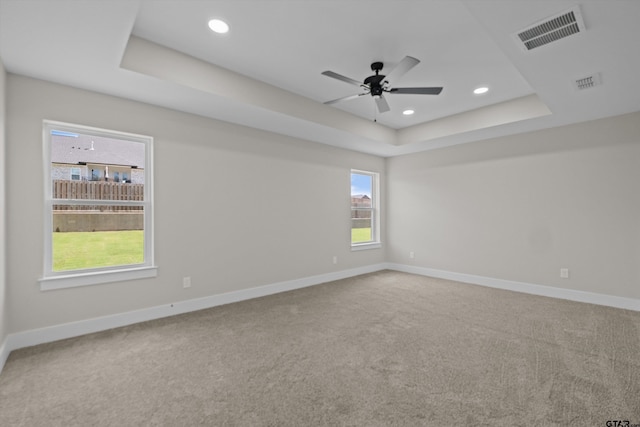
382 349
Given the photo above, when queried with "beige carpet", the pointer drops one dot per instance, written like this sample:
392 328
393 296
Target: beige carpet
384 349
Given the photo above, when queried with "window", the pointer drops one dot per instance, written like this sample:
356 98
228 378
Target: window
365 232
97 230
75 174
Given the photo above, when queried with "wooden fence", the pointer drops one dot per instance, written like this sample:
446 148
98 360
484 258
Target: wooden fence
97 190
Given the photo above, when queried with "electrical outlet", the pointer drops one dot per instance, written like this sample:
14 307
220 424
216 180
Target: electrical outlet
335 259
412 255
186 282
564 273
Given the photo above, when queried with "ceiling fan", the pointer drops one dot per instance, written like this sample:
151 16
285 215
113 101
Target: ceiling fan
378 84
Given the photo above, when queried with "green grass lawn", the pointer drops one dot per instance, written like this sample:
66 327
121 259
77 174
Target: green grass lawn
80 250
360 235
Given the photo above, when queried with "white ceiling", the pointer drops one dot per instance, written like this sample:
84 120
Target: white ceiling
265 72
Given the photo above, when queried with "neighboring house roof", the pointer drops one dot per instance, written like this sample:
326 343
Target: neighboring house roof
359 196
107 151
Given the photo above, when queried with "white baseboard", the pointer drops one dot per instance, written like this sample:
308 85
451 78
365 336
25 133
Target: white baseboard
88 326
528 288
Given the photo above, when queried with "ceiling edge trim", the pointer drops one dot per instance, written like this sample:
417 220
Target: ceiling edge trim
515 110
145 57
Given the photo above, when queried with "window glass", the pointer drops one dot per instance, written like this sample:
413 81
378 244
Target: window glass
363 207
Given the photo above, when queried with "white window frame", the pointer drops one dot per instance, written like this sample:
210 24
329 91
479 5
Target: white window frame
79 173
65 279
375 242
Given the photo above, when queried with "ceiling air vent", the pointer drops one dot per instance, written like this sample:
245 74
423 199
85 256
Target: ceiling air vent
551 29
588 82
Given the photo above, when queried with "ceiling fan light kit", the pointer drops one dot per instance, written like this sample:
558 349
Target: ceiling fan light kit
378 84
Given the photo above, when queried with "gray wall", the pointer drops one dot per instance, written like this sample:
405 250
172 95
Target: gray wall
211 178
521 207
4 330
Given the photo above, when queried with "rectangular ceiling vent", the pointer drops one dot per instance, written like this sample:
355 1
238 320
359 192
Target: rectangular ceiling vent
551 29
588 82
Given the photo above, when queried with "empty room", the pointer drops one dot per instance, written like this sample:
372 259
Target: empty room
319 212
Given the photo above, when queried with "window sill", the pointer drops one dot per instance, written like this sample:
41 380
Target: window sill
366 246
95 278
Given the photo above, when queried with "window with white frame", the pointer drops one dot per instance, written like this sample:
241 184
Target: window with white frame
98 229
75 174
365 222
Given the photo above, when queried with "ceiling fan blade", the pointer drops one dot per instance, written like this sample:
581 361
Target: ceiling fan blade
417 90
382 104
402 68
341 78
344 98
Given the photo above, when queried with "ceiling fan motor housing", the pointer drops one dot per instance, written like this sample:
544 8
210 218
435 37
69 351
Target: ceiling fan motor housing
376 90
375 82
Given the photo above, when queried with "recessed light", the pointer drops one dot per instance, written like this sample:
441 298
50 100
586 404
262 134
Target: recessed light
218 26
481 90
408 112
